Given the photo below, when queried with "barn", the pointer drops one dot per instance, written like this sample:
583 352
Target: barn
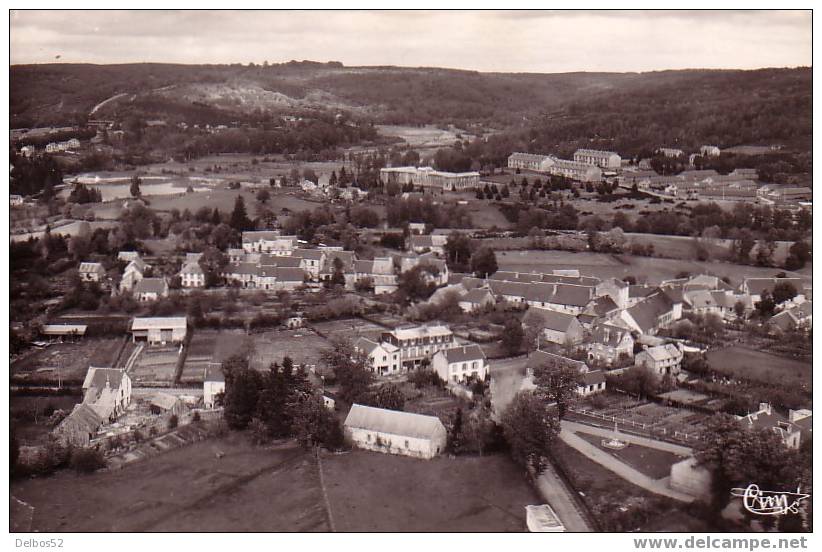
159 330
395 432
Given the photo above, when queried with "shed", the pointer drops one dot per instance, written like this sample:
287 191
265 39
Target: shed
159 329
395 432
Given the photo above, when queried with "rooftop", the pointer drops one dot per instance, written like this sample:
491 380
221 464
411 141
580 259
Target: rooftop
404 424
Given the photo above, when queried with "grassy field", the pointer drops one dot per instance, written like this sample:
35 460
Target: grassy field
303 346
67 360
187 489
644 269
370 491
22 409
612 499
759 366
155 365
652 462
349 328
211 346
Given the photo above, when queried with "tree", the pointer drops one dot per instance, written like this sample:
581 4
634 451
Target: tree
739 309
457 250
387 396
351 369
766 305
484 262
798 255
313 424
530 427
263 196
415 284
239 217
242 388
338 276
742 246
783 291
134 189
557 380
512 336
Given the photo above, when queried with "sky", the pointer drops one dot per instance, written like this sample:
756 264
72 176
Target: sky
520 41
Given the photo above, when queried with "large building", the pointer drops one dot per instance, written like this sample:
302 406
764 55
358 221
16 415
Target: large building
461 364
429 179
395 432
159 330
420 342
581 172
530 162
269 241
602 159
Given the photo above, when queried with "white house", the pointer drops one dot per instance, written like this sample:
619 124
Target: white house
709 151
395 432
461 364
150 289
192 275
384 358
213 385
91 272
107 391
420 342
159 329
601 159
268 241
476 300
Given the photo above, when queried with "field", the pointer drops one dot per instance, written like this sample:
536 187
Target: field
425 137
22 414
644 269
350 328
303 346
188 489
210 346
369 491
67 360
759 366
652 462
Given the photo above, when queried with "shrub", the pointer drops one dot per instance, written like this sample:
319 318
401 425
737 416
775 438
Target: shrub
173 421
195 417
87 460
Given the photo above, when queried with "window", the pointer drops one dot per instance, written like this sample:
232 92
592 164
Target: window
369 437
406 444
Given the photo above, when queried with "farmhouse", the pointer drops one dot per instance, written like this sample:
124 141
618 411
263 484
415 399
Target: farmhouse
384 358
380 272
434 243
601 159
107 391
476 300
311 260
769 419
609 343
78 428
395 432
268 241
192 275
461 364
756 287
91 272
591 381
556 327
159 330
656 311
150 289
213 385
660 360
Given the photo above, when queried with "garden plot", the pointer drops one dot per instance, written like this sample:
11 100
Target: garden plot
349 328
155 365
209 348
67 361
303 346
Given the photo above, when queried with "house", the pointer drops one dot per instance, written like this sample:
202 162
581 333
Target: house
280 278
107 391
166 403
268 241
567 298
416 228
192 275
417 343
345 260
438 275
15 200
160 330
91 272
133 273
756 287
383 358
477 300
311 261
213 386
656 311
670 152
592 381
127 256
660 360
28 151
78 428
709 151
617 290
601 159
800 316
395 432
769 419
461 364
608 343
556 327
380 271
530 162
423 243
150 289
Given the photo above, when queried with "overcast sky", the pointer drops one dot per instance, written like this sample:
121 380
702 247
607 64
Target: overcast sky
545 42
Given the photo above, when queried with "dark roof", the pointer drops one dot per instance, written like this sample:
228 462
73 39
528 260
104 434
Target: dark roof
540 357
476 295
646 313
465 353
640 291
608 334
394 422
603 305
548 319
593 378
98 377
151 285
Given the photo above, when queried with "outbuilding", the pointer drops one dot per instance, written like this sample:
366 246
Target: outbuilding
395 432
159 330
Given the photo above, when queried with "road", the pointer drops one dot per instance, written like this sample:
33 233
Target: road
657 486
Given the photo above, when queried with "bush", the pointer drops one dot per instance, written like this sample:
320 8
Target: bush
195 417
173 421
87 460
